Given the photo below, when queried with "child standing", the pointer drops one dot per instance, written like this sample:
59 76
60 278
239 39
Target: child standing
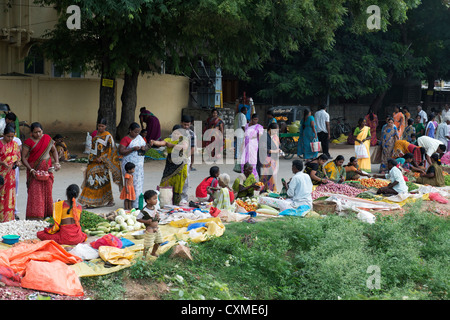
150 217
128 194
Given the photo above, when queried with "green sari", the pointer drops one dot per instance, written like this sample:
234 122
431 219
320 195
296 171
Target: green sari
246 182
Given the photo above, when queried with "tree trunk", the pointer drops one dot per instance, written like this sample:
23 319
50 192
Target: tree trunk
129 100
107 107
378 101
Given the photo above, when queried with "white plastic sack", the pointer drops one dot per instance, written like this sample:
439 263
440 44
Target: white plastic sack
85 251
361 151
88 144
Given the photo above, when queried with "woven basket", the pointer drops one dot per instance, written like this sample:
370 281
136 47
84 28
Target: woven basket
324 207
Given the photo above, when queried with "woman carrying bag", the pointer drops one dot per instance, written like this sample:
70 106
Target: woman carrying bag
362 145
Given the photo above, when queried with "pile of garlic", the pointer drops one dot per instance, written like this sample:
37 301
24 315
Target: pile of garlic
26 229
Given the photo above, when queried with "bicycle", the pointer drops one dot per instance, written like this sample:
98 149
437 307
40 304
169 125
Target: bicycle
339 126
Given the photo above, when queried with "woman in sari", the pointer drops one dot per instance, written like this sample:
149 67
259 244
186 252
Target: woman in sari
9 158
224 195
66 217
153 127
430 130
217 125
399 120
245 184
419 127
103 159
253 131
335 170
352 170
133 147
315 170
37 152
402 147
175 171
389 136
434 175
409 130
363 136
372 122
267 168
307 134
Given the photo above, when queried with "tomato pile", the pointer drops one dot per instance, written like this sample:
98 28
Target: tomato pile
373 183
247 206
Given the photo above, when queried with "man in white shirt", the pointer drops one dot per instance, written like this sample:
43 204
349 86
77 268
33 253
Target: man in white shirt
300 187
240 121
323 128
446 112
431 146
397 185
423 115
442 132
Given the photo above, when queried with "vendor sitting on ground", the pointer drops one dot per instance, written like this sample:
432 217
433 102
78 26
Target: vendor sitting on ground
245 184
224 195
300 187
66 216
408 163
208 186
314 169
352 171
61 148
335 171
434 175
397 185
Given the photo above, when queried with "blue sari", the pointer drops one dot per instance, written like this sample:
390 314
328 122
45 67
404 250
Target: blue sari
307 136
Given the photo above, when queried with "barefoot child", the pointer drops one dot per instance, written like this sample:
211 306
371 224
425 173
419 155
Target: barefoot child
150 217
128 194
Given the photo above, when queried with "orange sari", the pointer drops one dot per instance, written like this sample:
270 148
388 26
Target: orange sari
400 123
9 153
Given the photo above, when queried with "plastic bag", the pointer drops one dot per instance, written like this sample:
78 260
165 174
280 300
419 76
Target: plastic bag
107 240
434 196
165 195
84 251
115 255
88 144
316 146
361 151
299 212
54 276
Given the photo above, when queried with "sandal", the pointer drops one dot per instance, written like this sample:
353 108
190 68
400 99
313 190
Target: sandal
110 204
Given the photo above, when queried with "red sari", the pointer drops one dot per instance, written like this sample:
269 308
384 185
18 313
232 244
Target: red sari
40 200
9 153
372 124
69 234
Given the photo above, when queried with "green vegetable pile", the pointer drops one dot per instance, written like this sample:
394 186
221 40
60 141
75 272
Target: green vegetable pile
154 154
90 220
447 180
411 186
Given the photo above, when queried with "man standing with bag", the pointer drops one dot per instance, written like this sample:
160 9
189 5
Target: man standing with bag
323 128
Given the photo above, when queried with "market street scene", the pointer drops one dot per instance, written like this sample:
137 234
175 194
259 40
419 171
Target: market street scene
224 150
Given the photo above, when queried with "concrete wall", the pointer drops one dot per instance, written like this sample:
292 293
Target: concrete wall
69 105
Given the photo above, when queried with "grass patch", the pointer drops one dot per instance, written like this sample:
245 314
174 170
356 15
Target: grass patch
301 258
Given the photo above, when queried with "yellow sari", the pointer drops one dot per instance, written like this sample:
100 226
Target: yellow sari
174 175
364 164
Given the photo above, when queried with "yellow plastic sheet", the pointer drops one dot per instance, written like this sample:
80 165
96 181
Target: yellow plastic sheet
172 233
